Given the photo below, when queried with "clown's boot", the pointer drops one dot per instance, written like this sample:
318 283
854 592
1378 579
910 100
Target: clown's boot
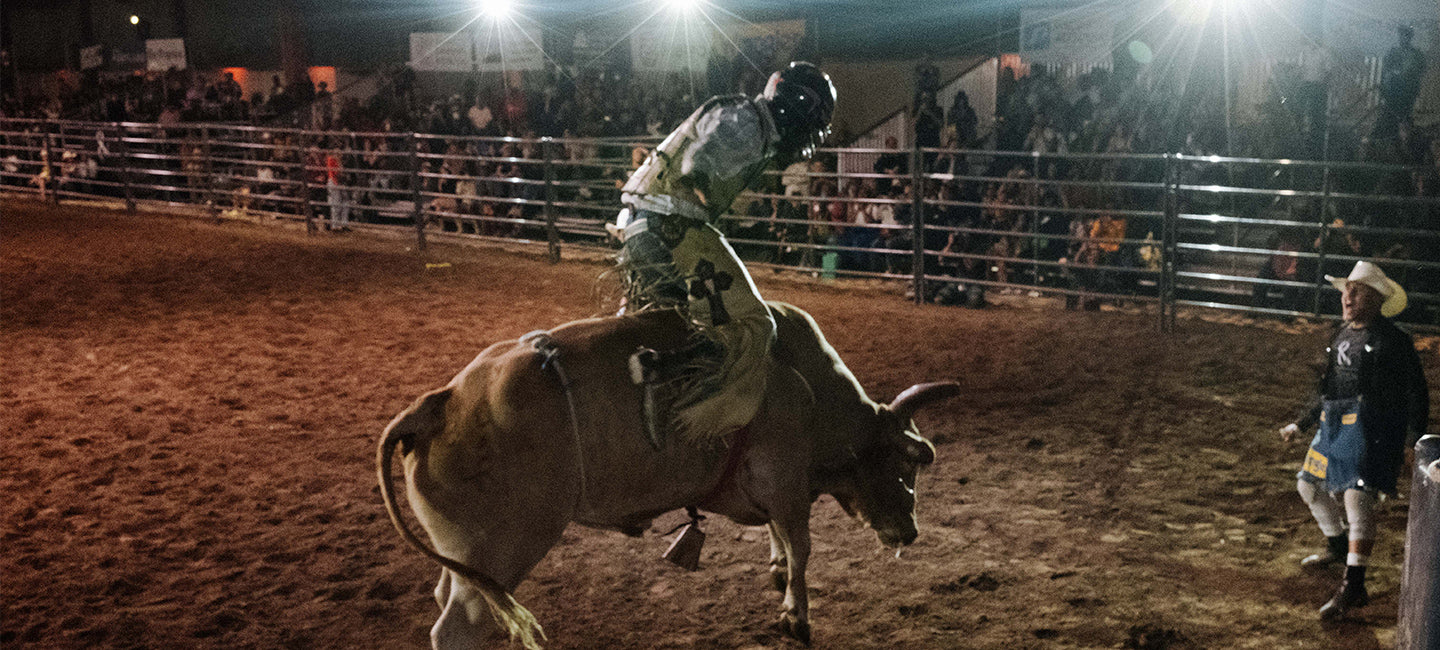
1351 595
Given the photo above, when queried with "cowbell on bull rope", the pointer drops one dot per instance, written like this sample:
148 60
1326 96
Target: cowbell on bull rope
707 285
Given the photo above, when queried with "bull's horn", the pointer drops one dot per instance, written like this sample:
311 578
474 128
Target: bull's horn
911 399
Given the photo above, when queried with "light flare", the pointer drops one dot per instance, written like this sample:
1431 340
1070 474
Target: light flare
496 9
684 6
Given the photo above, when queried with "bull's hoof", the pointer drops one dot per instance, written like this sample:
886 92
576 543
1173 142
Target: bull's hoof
795 628
779 580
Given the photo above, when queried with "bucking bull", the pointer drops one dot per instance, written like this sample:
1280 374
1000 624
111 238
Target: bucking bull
546 430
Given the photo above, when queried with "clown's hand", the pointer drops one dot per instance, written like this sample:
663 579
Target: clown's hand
1287 432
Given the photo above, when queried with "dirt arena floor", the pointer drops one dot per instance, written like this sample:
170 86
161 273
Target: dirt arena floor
190 413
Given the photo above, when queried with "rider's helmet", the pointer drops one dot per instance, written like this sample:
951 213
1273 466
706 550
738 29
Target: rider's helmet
802 101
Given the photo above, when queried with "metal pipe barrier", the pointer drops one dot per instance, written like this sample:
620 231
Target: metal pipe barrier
1419 627
950 225
1263 241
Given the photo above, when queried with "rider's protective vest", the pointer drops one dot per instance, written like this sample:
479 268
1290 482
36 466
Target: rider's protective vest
706 189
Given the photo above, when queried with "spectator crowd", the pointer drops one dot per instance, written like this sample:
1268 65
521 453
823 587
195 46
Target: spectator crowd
1044 216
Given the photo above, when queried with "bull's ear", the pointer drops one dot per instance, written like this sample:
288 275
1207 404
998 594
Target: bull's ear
911 399
918 450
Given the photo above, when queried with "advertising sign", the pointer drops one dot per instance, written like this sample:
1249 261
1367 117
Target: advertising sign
440 51
162 54
1064 36
502 46
92 57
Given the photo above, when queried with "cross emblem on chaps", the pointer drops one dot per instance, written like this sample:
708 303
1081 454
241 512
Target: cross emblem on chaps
708 285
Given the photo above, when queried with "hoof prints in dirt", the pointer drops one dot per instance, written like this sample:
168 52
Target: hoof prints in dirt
982 582
223 622
384 590
918 609
1152 637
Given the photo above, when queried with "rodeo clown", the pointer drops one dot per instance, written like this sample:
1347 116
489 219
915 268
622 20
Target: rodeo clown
673 257
1372 404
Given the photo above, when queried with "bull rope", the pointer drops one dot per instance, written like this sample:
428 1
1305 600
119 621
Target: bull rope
550 357
732 465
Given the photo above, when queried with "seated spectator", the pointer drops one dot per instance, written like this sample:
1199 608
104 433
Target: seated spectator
1100 247
794 179
1282 266
857 232
892 162
949 163
1004 213
890 233
820 230
1054 226
482 118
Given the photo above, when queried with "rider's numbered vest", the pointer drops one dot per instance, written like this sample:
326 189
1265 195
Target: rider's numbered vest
659 185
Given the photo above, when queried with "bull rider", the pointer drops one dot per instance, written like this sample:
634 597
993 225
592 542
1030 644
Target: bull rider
674 257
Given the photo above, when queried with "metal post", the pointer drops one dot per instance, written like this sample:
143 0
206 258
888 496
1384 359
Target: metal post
551 232
124 154
1169 226
1035 220
1419 628
47 171
1161 282
917 219
418 214
305 208
211 205
1324 236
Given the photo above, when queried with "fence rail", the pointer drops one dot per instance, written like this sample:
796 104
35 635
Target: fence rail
1168 230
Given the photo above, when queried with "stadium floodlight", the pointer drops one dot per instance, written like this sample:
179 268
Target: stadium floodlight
497 9
1197 12
134 20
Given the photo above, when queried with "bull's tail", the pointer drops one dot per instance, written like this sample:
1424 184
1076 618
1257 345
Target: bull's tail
426 418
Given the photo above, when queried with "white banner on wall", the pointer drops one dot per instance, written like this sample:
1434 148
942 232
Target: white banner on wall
162 54
770 44
594 41
670 46
127 60
502 46
440 52
1081 34
1369 28
92 57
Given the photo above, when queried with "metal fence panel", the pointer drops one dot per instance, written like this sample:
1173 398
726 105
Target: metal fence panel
1174 231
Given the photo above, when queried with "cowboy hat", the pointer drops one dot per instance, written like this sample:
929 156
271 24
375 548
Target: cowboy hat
1371 276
